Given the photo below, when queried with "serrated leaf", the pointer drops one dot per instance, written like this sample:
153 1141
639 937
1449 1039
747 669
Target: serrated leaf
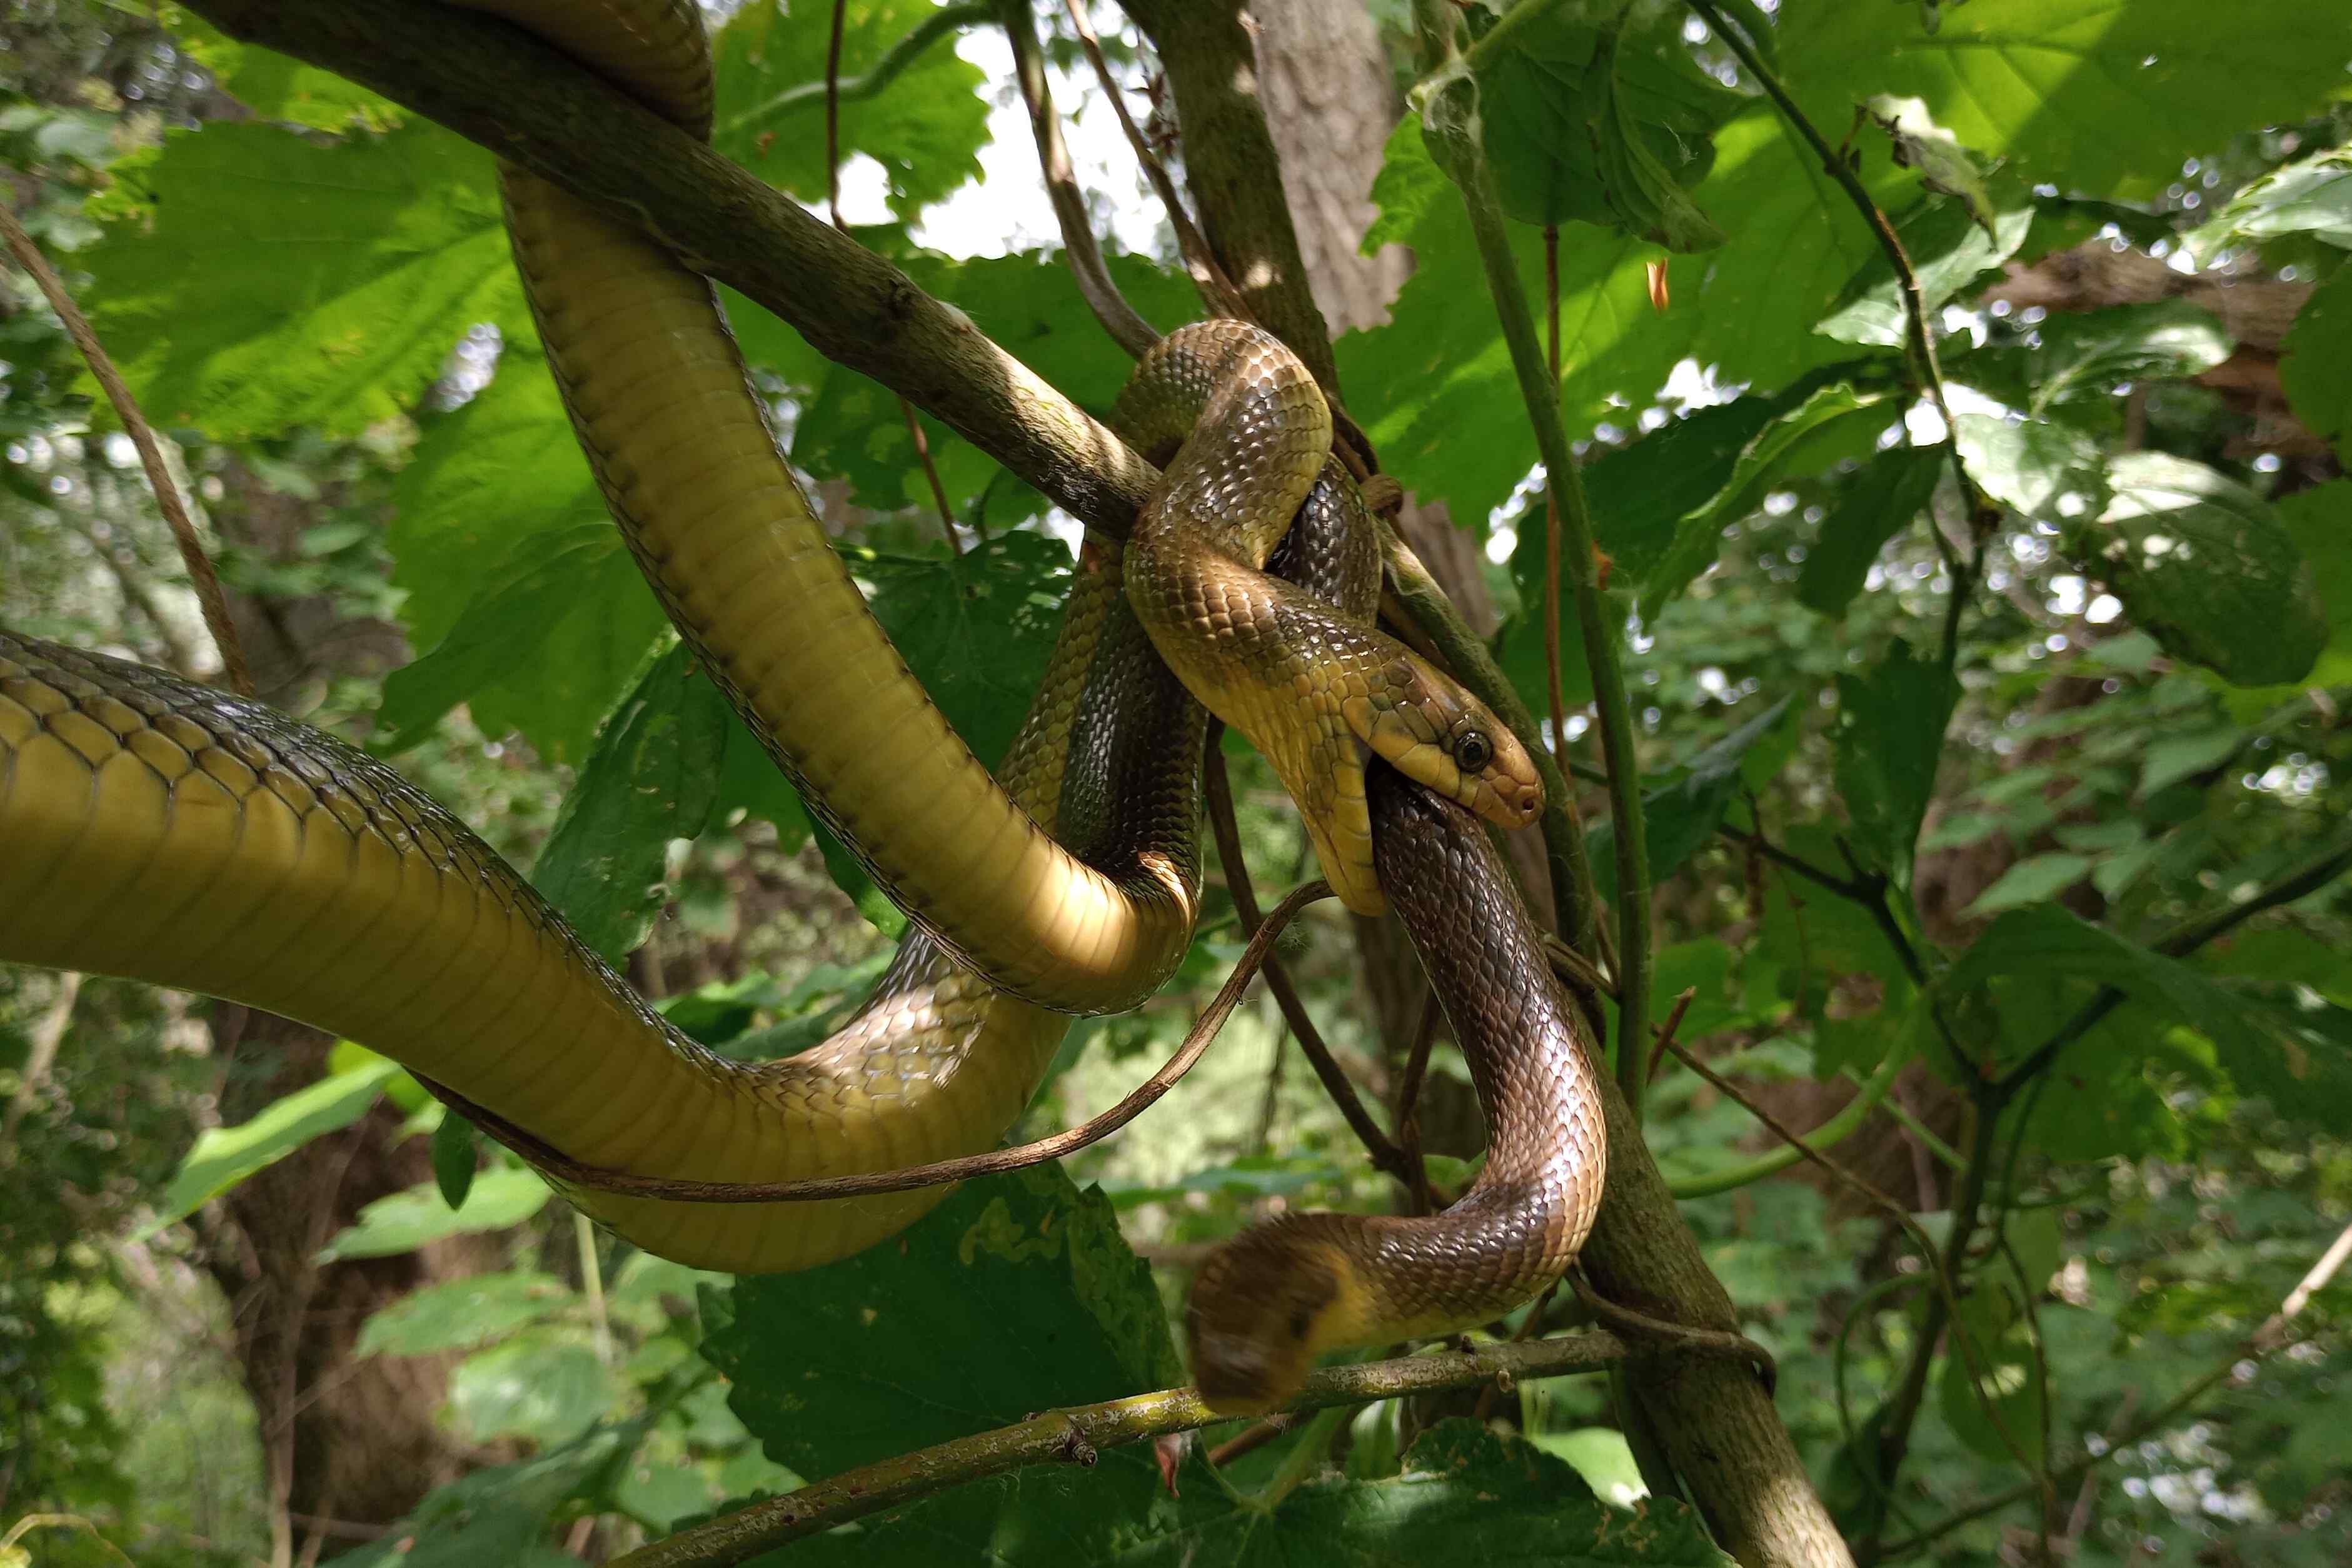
938 1334
544 646
2030 881
454 1162
2203 564
461 1314
1603 125
502 466
2106 99
651 777
1887 744
543 1384
275 86
224 1156
925 129
1877 503
2316 349
289 283
407 1220
2045 470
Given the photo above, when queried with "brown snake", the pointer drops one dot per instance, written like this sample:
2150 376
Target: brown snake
159 831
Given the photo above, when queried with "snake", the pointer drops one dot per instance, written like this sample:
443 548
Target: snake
164 831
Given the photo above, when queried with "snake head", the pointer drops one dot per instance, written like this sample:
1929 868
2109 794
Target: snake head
1428 728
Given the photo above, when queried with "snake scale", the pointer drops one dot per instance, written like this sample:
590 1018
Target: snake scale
164 831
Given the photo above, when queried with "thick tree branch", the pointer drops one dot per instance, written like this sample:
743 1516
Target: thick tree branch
496 86
1078 1435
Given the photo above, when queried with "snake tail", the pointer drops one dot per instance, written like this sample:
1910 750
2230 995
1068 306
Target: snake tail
1268 1303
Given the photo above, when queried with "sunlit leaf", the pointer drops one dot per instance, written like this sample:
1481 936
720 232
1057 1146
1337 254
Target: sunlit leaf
224 1156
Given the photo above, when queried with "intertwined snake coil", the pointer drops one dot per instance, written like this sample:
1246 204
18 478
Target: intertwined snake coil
163 831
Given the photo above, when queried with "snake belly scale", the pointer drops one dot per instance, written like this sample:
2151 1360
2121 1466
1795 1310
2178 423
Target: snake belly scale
159 831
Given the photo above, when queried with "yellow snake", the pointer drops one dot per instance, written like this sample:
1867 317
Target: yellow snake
160 830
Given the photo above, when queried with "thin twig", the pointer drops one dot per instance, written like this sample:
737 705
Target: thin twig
1249 1439
1408 1105
1071 1435
151 451
1552 517
1699 1342
1121 319
1219 791
565 1169
1209 278
1665 1031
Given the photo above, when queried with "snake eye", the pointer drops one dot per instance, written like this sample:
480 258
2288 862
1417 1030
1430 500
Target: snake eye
1474 750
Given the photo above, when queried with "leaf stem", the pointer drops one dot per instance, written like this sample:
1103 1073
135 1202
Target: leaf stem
1920 339
1078 1432
1541 396
143 436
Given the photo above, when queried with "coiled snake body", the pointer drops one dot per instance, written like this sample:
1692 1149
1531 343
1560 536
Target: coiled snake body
163 831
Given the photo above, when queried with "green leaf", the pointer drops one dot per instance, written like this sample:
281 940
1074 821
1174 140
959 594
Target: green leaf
1679 818
1878 503
2316 349
2204 566
407 1220
651 777
1466 1494
2086 355
1948 251
454 1162
1887 745
2310 196
462 1314
502 466
287 282
2171 758
1639 492
544 1385
224 1156
2048 471
925 129
2030 881
1602 125
935 1335
2004 1405
976 629
1699 534
275 86
552 636
2104 99
1945 166
2044 942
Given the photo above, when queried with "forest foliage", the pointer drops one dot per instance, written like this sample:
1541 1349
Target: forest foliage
1995 769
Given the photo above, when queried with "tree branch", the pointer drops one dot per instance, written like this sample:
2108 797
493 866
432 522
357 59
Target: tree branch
1078 1434
496 86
